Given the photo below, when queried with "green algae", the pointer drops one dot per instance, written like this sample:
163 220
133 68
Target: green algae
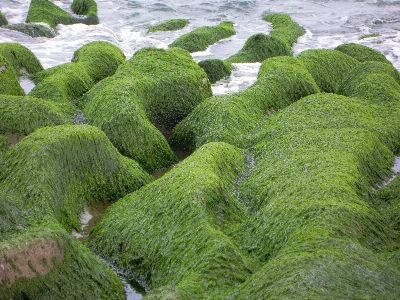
44 182
55 170
91 63
328 67
15 60
279 42
47 12
3 19
25 114
231 118
362 53
169 25
367 36
172 230
215 69
155 88
202 37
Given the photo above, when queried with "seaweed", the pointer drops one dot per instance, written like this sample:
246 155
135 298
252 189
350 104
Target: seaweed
15 60
202 37
169 25
328 67
47 12
362 53
25 114
3 19
91 63
155 88
367 36
231 118
172 230
215 69
87 8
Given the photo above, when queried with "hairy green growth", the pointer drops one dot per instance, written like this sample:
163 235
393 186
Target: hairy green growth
362 53
154 88
47 12
230 118
171 232
24 114
43 261
328 67
3 20
366 36
284 28
55 170
215 69
373 81
91 63
87 8
202 37
15 60
169 25
259 47
33 29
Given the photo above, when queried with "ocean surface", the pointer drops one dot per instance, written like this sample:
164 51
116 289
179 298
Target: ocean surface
125 24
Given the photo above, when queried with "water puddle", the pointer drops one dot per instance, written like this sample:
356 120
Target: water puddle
396 171
26 83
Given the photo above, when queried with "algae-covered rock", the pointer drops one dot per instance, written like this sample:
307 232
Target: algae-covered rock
259 47
284 29
3 19
215 69
169 25
171 232
202 37
34 29
362 53
55 170
47 12
87 8
230 118
279 42
45 262
154 88
373 81
328 67
25 114
91 63
15 60
44 181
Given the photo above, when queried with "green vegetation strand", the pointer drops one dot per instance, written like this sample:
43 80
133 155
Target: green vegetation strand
170 25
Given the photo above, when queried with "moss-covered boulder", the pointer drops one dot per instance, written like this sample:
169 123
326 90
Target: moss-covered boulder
284 29
372 81
47 12
169 25
202 37
215 69
362 53
55 170
16 60
91 63
328 67
3 19
189 255
44 182
34 29
87 8
279 42
231 118
24 114
155 87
